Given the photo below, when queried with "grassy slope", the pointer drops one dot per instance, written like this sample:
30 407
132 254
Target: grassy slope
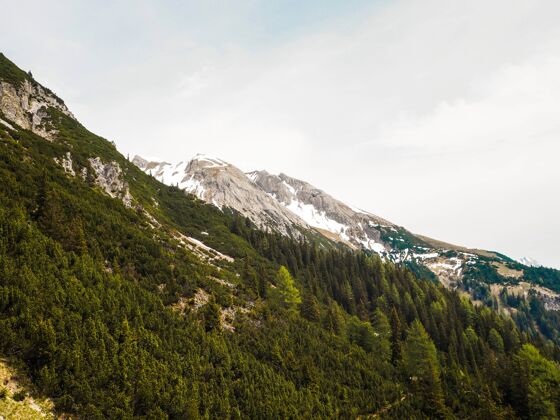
15 382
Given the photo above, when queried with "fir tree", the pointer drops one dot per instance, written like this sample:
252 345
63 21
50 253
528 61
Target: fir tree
395 338
211 315
310 307
496 341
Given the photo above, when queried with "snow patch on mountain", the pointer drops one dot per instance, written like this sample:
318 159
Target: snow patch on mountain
426 256
529 262
212 162
316 218
322 211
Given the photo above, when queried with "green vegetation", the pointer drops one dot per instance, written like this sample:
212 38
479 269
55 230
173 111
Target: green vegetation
94 302
11 73
18 397
539 384
422 368
547 277
285 291
400 238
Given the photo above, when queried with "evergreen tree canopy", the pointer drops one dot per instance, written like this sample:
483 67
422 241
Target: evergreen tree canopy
383 331
286 290
422 368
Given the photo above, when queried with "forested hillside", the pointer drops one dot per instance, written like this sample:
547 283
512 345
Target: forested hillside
126 298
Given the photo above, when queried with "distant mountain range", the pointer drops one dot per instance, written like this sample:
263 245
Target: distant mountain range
295 208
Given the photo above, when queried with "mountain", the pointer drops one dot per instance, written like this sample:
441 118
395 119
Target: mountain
123 297
291 206
279 203
223 185
329 216
529 262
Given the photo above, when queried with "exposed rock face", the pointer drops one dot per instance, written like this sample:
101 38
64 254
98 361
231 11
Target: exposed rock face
322 211
66 163
551 304
109 178
6 124
27 107
148 166
219 183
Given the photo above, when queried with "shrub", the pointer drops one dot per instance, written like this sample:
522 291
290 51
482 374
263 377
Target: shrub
19 396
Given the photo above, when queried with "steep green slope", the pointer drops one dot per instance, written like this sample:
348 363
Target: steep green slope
116 313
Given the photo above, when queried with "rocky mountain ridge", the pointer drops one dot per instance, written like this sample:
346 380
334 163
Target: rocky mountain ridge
223 185
288 205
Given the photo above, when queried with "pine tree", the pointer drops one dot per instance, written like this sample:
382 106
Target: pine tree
50 212
539 379
496 341
261 283
396 351
422 368
334 319
211 314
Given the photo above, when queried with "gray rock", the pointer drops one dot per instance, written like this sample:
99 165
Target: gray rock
27 107
352 225
66 163
223 185
108 176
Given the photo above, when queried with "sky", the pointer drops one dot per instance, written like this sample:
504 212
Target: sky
442 116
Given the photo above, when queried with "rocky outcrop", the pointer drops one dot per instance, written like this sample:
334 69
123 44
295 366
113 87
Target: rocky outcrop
108 176
66 163
27 106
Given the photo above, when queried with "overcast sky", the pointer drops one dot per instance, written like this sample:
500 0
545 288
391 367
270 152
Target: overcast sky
440 115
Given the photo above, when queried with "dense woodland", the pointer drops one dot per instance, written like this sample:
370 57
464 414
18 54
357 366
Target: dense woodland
89 293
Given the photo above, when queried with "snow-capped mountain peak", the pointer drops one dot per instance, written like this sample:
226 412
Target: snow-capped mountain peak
277 202
219 183
530 262
210 161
